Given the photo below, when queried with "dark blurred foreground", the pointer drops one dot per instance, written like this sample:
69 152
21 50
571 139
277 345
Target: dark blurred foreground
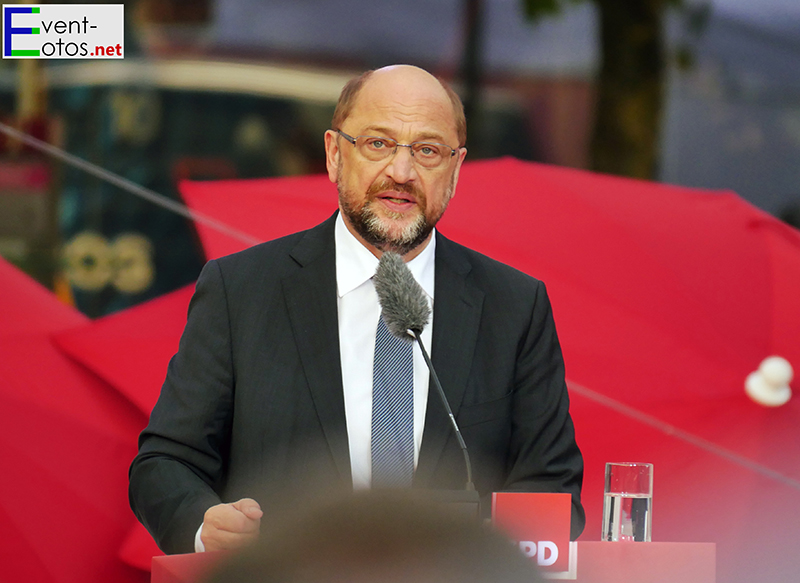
377 536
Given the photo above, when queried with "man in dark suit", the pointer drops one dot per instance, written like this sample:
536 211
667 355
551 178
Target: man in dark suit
270 392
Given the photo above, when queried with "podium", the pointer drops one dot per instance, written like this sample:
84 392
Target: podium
597 562
638 562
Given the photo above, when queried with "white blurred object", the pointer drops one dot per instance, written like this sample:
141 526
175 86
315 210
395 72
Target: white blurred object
769 385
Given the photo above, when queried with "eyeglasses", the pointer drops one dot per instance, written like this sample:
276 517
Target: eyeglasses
375 149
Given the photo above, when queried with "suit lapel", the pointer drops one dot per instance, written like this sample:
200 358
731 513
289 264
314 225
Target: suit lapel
311 301
456 317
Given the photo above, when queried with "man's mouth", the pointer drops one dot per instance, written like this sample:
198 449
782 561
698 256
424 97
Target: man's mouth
397 200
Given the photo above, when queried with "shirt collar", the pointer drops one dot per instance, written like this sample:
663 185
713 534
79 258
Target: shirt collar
355 264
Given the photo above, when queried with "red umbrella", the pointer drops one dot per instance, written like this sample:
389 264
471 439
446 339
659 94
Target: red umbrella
665 299
131 349
266 208
28 309
66 442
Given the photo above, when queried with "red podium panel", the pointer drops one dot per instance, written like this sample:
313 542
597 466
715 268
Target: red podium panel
539 522
188 568
620 562
598 562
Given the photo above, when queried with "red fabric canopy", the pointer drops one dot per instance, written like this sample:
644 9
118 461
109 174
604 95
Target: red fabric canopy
665 299
66 443
28 309
131 349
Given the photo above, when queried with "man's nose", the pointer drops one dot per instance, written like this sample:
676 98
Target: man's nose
401 166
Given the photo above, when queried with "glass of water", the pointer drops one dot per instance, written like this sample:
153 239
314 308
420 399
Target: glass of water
628 502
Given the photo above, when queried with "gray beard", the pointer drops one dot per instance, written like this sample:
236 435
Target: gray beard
370 227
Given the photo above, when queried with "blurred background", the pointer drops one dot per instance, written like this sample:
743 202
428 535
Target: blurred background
695 93
671 297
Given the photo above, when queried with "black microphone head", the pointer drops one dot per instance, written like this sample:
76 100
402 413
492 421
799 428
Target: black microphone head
401 297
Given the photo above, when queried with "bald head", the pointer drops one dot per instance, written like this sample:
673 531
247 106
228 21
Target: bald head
405 83
390 197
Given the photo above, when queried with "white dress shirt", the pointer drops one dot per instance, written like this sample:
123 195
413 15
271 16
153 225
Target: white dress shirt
359 311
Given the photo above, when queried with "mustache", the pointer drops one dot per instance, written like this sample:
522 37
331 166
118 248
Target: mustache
389 184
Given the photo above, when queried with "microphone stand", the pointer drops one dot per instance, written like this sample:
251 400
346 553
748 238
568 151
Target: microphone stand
470 487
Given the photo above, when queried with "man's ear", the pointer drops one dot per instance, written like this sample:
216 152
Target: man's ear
332 154
462 153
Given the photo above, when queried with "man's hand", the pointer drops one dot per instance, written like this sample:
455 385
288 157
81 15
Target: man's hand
230 526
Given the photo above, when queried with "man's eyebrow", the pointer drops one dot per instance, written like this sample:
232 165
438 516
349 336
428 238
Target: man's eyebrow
424 137
378 129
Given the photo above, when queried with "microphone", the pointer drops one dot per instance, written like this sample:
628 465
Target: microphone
401 297
406 313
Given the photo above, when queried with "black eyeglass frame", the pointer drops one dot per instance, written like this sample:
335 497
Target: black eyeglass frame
410 146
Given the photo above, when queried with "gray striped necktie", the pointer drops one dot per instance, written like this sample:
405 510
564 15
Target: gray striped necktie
392 411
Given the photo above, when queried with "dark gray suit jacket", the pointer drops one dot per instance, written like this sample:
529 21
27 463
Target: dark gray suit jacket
253 404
